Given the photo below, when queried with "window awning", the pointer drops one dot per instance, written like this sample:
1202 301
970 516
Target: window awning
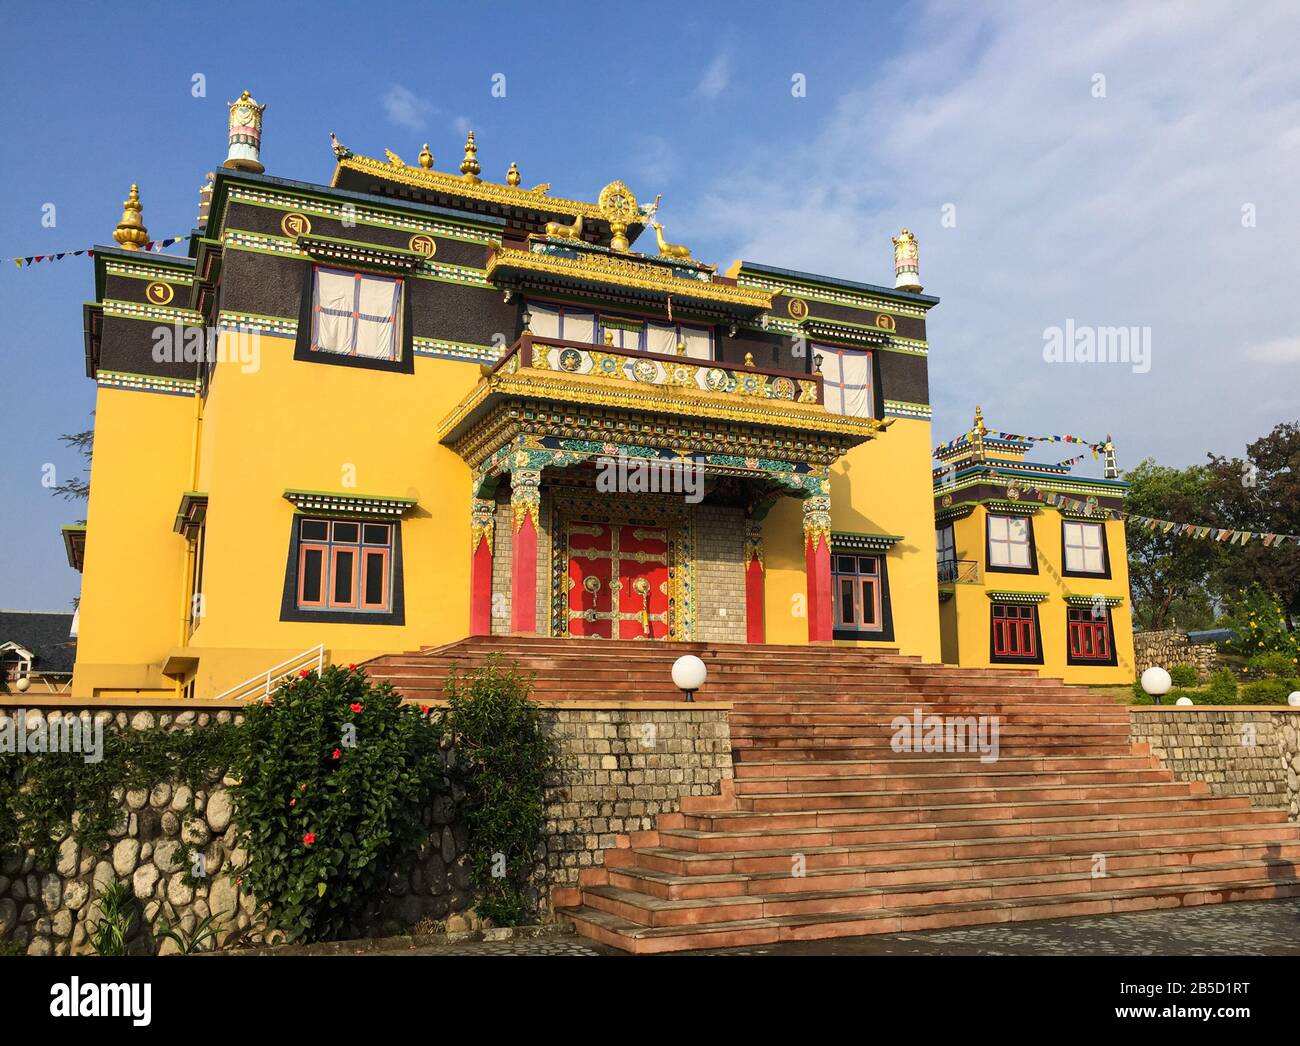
74 544
347 504
364 255
863 542
190 515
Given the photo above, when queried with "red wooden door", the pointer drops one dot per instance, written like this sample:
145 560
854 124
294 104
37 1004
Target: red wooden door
618 581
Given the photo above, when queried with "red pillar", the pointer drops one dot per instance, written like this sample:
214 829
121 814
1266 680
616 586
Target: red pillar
755 630
480 570
817 563
525 500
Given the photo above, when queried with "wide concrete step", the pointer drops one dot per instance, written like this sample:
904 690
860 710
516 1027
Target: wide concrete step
620 932
937 764
671 885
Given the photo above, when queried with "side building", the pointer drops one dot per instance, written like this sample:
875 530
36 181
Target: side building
1032 561
414 405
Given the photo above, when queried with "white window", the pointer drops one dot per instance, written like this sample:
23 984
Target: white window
565 324
664 338
846 378
627 340
544 322
1084 551
1009 542
356 314
945 547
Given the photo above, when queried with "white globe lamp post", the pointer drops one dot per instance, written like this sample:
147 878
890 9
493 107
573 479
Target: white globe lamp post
1293 699
1156 682
1183 701
23 684
689 674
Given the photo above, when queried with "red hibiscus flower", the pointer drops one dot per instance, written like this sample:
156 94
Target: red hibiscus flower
337 754
424 709
352 668
355 706
303 674
308 839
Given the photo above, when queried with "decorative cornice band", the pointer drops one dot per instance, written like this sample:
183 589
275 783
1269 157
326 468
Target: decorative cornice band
109 379
339 504
1007 596
863 542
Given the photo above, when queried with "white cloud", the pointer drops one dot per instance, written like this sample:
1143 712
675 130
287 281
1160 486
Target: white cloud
405 108
1279 350
716 78
1115 211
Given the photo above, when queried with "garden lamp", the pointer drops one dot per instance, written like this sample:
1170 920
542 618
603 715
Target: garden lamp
689 674
1156 682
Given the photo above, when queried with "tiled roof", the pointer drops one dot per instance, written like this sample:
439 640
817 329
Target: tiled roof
45 634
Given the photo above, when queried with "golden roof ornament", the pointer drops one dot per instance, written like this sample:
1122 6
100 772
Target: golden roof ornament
205 199
977 435
469 167
907 269
425 158
512 175
619 208
245 153
130 232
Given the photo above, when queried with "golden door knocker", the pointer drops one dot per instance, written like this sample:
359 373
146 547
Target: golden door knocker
642 588
592 585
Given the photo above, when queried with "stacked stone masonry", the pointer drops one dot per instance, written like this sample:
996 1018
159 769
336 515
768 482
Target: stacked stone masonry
1251 752
1169 647
620 769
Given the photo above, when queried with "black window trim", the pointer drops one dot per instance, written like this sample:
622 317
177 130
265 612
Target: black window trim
289 609
1105 551
1085 662
1000 659
405 362
989 566
884 634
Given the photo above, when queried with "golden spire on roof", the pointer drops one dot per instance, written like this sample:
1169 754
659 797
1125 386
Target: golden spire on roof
512 175
469 167
425 158
977 435
130 231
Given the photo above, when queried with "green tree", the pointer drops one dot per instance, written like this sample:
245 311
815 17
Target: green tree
1262 493
1169 575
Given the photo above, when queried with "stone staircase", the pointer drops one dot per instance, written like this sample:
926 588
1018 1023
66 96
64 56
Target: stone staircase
826 831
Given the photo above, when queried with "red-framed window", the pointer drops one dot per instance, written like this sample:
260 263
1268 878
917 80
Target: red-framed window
344 565
1015 632
855 585
1089 636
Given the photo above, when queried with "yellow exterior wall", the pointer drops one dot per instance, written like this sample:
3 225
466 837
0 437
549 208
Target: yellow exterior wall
966 617
135 565
880 487
308 426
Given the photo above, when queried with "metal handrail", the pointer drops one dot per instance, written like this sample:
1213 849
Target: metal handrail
953 571
269 679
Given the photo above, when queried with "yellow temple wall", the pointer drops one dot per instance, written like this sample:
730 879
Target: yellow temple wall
134 568
966 626
880 487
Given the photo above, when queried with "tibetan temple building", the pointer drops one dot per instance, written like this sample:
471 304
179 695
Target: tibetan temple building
414 405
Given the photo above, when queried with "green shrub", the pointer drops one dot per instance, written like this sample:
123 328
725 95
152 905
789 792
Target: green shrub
1260 627
335 778
505 758
1184 675
1267 691
116 902
1272 664
1222 687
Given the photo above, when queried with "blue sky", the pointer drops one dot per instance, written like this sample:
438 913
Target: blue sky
1041 195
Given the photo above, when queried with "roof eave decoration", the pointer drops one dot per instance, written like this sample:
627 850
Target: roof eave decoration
341 504
863 542
610 270
509 196
365 255
191 513
74 544
959 510
849 332
1090 601
1010 596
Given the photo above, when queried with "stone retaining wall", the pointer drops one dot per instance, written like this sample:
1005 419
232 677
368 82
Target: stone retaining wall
1242 751
621 767
1170 647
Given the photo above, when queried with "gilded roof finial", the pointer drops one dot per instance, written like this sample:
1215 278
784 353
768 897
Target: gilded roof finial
977 435
469 167
907 269
749 359
245 136
130 231
512 175
425 158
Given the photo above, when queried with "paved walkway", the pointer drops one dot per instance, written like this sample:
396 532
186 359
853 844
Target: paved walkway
1257 928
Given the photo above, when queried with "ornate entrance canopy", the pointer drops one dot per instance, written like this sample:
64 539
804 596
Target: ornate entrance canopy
550 403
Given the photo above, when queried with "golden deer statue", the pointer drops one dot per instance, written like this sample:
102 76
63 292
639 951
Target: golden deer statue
567 232
669 250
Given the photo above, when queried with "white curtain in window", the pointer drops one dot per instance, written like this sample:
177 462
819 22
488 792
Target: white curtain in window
661 338
847 377
377 304
1083 548
579 326
334 293
699 343
544 322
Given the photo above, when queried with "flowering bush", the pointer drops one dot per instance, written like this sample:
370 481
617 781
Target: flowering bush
335 776
1260 627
